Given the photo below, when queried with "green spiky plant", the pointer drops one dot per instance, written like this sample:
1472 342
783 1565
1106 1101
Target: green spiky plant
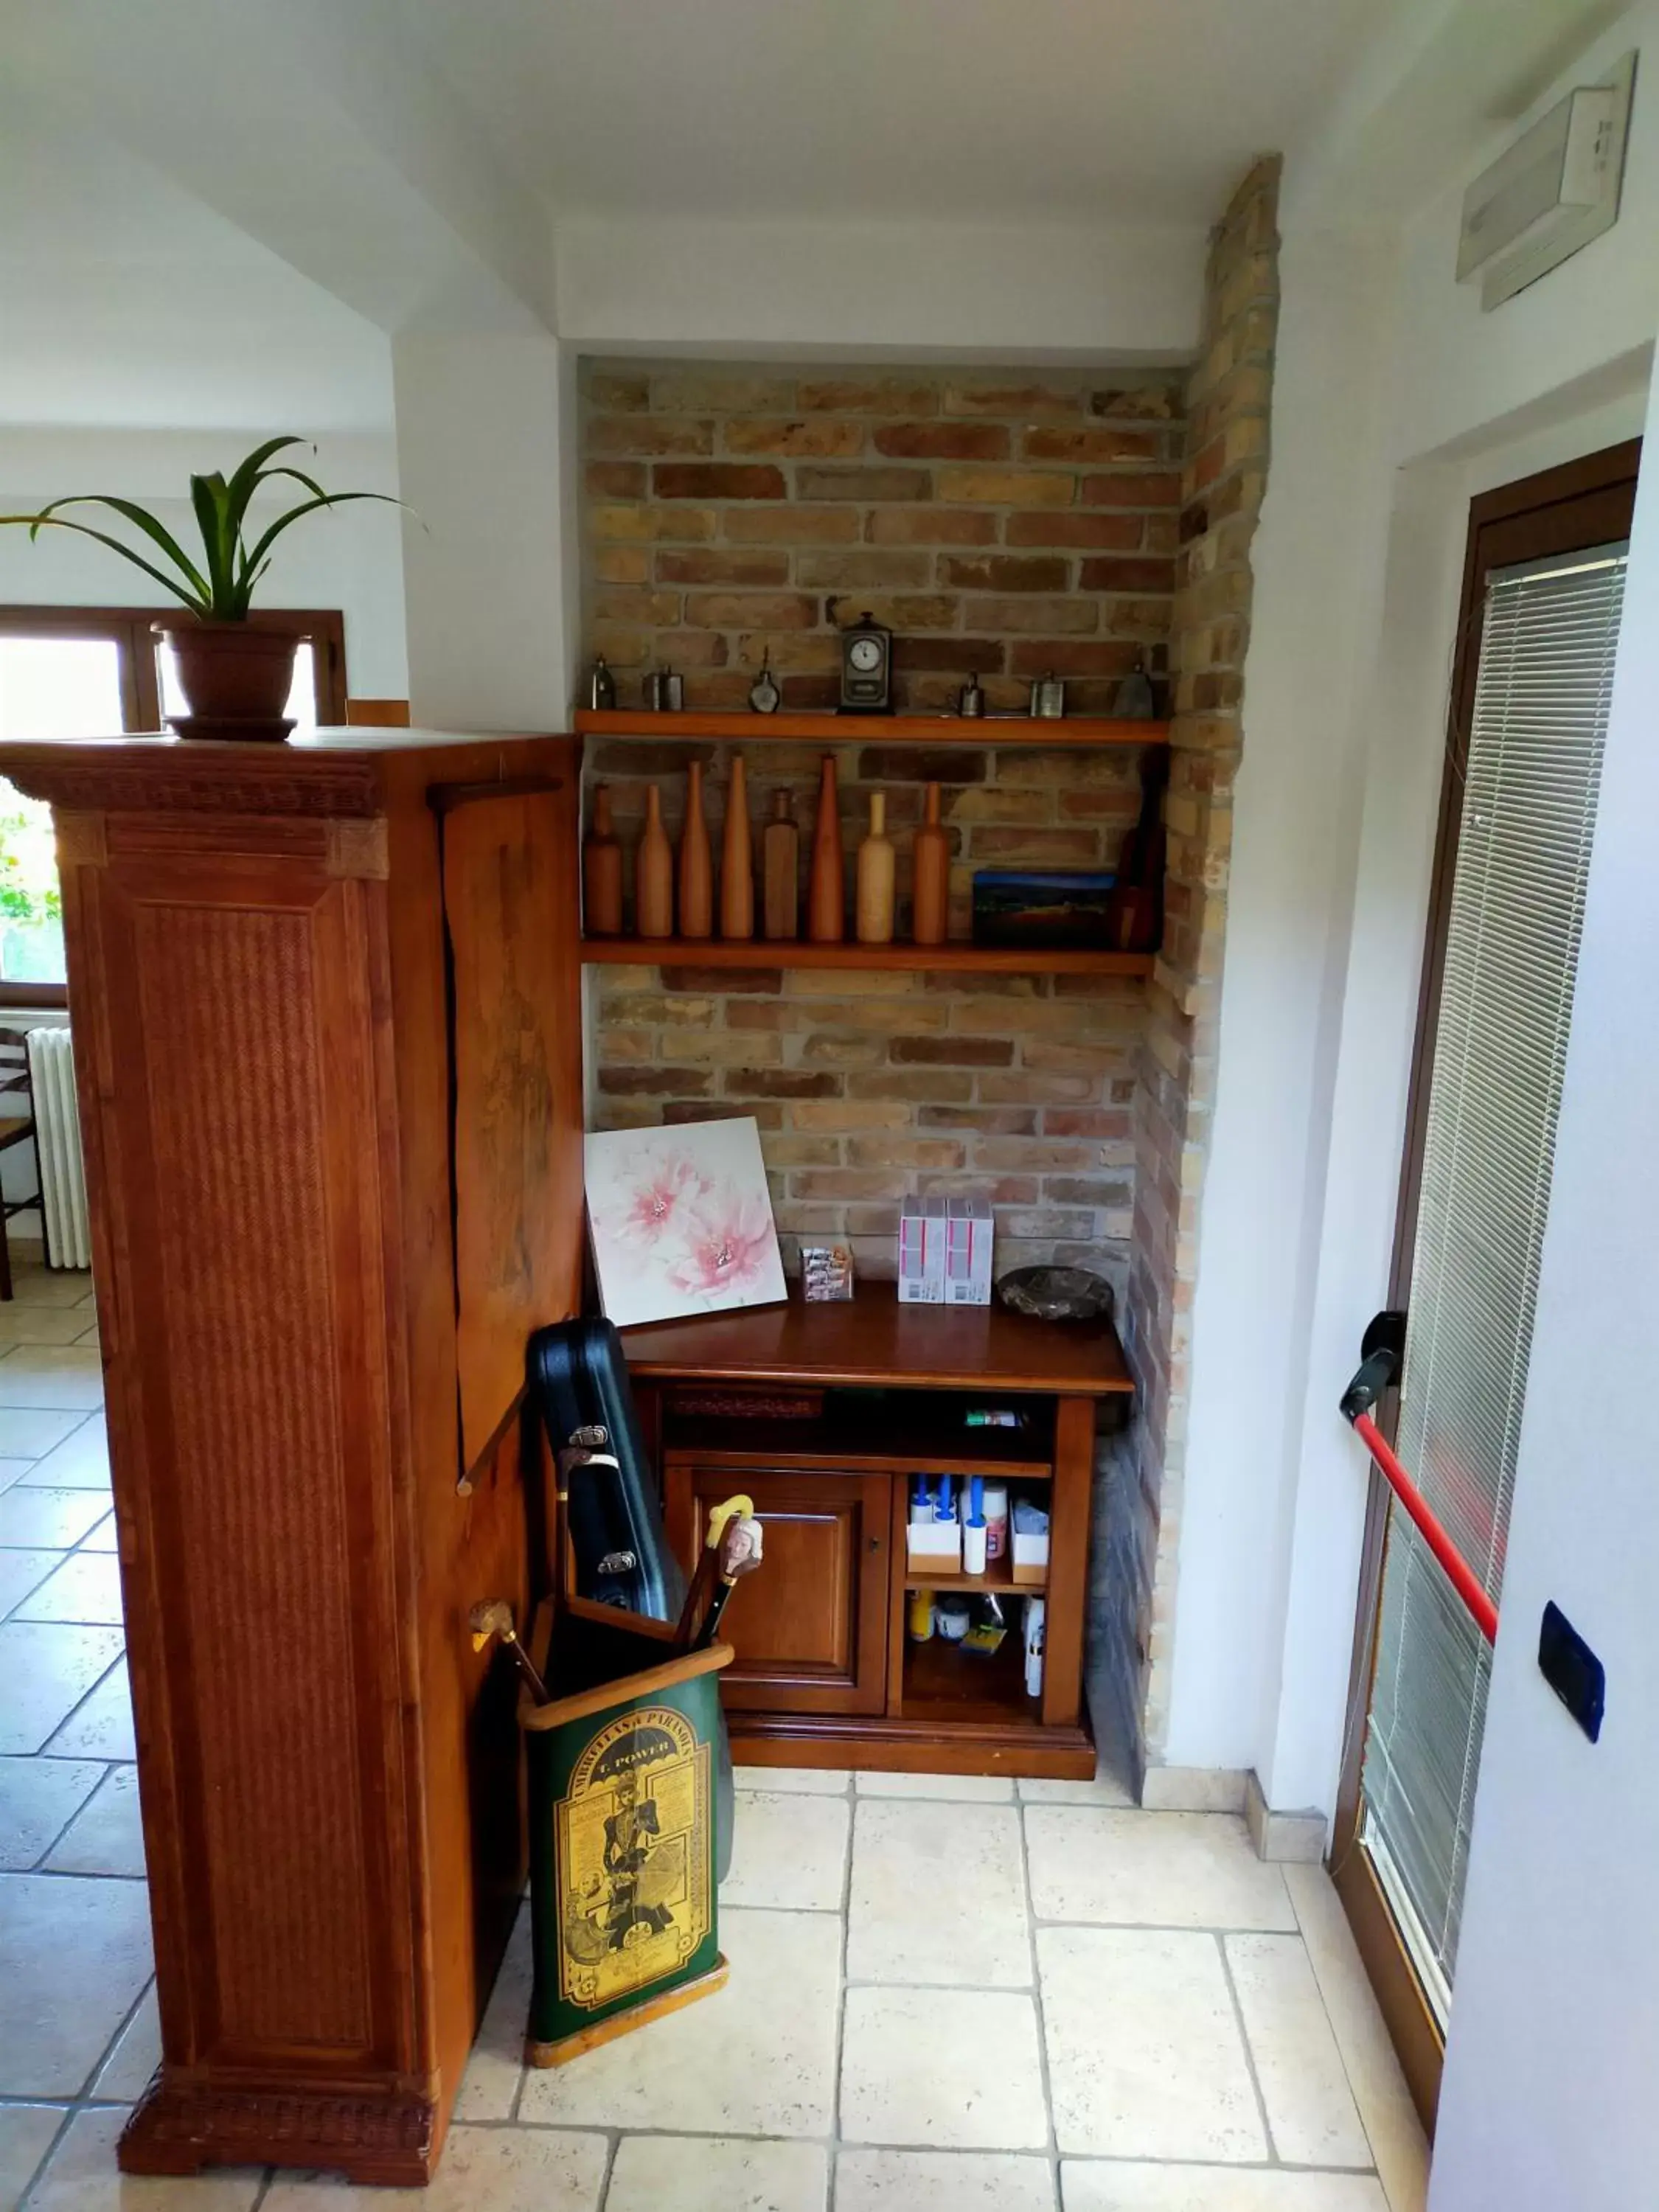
221 589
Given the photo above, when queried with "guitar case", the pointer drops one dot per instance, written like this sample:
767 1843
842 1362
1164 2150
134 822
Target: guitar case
579 1379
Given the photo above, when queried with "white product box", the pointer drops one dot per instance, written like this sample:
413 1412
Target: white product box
923 1227
968 1233
936 1545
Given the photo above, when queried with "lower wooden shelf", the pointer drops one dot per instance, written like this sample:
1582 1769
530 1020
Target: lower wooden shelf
997 1581
797 952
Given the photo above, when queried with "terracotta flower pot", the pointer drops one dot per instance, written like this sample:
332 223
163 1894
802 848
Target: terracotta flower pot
233 677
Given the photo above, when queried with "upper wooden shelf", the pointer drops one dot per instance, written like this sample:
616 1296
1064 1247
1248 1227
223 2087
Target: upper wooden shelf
870 1340
824 728
800 952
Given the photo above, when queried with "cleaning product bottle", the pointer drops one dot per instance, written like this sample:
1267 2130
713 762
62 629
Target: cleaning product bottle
922 1616
973 1529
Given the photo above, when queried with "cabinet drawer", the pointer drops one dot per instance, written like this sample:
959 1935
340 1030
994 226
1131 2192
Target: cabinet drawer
810 1627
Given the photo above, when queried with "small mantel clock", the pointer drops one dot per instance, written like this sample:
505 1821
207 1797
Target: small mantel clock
866 668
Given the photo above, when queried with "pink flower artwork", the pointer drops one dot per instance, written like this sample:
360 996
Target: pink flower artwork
681 1221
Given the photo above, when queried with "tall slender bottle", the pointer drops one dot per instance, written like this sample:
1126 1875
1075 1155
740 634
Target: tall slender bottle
696 862
875 877
781 871
602 871
826 894
653 874
737 859
930 902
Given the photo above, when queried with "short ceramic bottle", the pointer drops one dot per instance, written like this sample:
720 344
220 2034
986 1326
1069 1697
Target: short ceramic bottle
696 862
737 859
876 873
930 868
826 894
653 874
781 871
602 871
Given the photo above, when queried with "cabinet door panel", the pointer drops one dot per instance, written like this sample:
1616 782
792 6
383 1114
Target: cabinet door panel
809 1626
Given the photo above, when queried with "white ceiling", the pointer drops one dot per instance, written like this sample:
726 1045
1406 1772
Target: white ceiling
1084 112
127 302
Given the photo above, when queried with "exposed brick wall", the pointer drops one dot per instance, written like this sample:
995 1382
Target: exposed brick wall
1002 523
871 1086
1223 477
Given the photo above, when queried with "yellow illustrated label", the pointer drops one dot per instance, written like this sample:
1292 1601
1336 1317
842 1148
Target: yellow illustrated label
633 1858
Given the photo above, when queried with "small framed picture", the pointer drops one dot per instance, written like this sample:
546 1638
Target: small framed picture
826 1271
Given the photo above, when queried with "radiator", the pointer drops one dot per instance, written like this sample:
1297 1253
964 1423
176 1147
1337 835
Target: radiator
57 1147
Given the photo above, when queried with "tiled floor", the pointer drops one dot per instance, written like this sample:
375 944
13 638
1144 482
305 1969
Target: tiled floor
946 1994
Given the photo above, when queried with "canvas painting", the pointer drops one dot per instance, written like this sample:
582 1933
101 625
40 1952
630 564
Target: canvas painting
681 1221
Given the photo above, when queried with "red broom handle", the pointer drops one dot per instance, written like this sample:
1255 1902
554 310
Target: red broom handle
1461 1574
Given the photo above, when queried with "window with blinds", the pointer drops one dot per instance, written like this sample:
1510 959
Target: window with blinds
1534 763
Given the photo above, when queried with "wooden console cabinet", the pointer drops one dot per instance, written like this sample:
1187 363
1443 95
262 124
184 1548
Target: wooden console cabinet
824 1414
325 1000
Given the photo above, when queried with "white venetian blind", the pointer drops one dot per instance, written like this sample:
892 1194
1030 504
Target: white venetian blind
1500 1042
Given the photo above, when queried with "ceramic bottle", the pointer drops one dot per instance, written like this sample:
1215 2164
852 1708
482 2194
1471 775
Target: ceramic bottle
876 878
696 862
781 871
602 871
737 859
826 895
653 874
930 876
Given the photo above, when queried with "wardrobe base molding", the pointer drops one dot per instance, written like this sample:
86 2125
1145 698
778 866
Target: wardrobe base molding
376 2141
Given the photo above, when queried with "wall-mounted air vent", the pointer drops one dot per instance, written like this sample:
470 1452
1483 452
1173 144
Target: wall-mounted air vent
1555 190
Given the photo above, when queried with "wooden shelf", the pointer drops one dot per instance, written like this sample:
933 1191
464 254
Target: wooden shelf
797 953
825 728
997 1581
943 1682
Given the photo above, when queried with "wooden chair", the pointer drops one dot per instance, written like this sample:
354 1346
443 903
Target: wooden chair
16 1127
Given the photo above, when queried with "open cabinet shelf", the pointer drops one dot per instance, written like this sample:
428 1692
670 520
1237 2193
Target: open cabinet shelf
831 729
799 952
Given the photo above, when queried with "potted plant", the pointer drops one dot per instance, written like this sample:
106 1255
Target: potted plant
235 676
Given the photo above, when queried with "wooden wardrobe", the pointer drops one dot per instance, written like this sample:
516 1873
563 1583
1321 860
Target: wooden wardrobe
326 1001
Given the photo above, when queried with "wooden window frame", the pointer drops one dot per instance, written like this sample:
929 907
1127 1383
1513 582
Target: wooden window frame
1583 503
131 630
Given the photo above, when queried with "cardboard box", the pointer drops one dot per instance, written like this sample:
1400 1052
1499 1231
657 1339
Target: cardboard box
968 1234
923 1227
1028 1557
935 1544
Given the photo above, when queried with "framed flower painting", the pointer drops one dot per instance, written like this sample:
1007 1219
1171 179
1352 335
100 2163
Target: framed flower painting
681 1221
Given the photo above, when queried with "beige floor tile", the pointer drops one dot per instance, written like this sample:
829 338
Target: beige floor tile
970 1789
758 2058
68 1377
37 1799
76 1953
1151 1870
491 2080
106 1836
38 1324
1310 2110
102 1727
135 2056
86 1587
789 1852
939 1895
945 2070
28 1432
26 2134
716 2173
104 1537
23 1572
1085 2187
13 1470
74 1459
83 2177
481 2170
47 1668
1106 1789
53 1520
1399 2147
1145 2059
800 1781
942 2181
50 1286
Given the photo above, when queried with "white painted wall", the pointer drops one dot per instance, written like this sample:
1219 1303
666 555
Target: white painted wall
1554 2048
348 558
1396 401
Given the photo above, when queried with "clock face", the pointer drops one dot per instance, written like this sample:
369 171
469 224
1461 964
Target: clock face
865 653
